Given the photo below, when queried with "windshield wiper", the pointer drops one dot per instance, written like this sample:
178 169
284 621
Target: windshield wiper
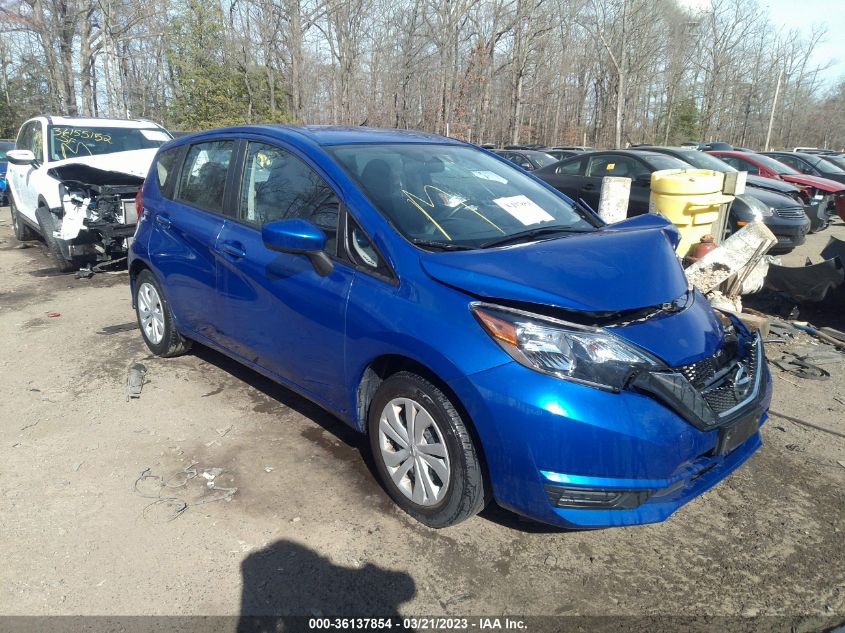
443 246
525 235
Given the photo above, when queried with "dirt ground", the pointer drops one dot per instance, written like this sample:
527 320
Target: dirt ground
100 512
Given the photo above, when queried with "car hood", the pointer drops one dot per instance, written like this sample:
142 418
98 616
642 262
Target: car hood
134 162
626 266
823 184
770 198
769 184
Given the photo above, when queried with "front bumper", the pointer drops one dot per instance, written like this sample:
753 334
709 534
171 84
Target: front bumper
544 437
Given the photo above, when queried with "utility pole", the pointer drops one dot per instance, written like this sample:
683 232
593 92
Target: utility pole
774 105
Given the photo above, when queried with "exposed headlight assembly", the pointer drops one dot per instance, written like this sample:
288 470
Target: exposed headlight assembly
585 355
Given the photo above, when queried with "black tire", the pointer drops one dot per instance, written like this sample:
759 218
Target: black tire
23 232
172 343
465 492
46 222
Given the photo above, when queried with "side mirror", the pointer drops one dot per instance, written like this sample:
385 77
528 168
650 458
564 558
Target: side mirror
298 236
20 157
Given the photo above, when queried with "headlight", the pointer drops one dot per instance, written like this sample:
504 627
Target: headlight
758 209
585 355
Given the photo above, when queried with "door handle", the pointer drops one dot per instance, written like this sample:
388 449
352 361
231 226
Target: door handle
235 249
589 186
163 220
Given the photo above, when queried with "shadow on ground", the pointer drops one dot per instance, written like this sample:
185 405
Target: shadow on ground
286 581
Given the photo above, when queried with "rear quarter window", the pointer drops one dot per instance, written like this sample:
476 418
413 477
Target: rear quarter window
166 164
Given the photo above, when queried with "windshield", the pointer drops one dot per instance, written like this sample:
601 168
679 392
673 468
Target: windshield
826 165
839 161
702 160
543 159
776 166
661 161
455 195
70 141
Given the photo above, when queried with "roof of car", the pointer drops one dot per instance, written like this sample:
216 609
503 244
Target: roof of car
85 121
339 135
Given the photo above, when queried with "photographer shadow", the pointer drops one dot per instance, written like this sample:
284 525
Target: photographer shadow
285 584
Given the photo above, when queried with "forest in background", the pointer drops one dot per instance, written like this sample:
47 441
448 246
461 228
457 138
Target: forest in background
597 72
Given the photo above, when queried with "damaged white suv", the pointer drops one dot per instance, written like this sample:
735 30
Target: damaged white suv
74 182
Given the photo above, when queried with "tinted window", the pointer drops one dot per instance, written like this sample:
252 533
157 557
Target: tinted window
668 162
615 165
166 163
69 141
793 161
774 165
279 186
203 178
543 159
742 165
570 168
703 160
451 193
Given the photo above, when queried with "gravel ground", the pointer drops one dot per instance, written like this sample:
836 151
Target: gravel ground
100 517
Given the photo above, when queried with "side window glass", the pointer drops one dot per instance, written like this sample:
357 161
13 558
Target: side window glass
362 252
37 143
166 163
24 141
279 186
570 169
751 168
203 178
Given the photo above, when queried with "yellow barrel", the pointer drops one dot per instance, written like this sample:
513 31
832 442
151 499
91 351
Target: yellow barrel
691 199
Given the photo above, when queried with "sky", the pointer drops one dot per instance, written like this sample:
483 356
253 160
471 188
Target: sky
807 15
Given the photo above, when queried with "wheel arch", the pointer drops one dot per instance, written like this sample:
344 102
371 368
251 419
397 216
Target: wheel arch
382 367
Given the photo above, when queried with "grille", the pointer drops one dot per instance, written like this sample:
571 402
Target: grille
790 212
702 372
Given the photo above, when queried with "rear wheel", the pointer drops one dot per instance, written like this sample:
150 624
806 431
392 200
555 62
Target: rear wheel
424 453
47 223
23 232
155 319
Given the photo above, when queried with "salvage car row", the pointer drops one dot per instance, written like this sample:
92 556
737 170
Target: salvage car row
490 335
793 193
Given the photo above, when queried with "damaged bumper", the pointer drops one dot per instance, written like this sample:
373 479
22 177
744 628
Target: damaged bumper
582 457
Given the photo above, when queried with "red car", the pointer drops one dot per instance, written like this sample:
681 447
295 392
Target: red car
812 186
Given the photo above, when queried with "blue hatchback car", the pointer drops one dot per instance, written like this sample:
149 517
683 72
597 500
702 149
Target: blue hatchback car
492 338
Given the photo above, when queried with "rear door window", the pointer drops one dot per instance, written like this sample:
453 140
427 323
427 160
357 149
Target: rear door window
571 168
166 164
203 178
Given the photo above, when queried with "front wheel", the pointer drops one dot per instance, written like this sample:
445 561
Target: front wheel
47 222
155 319
424 453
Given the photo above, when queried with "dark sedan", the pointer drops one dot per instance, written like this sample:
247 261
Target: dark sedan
5 146
580 177
810 164
528 159
780 207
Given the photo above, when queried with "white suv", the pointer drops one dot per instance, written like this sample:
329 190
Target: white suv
74 181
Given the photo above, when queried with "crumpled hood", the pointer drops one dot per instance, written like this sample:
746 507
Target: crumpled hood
134 162
824 184
626 266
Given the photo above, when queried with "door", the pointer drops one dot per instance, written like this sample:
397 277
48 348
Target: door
567 177
184 235
23 178
278 312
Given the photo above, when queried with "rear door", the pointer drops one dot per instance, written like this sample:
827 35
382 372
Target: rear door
184 236
567 177
279 313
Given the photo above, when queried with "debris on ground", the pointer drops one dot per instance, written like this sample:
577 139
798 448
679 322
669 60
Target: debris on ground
135 380
53 314
799 366
806 283
167 505
84 273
